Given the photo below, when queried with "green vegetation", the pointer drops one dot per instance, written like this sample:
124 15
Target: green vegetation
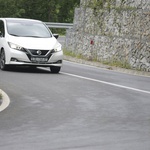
99 5
48 10
69 53
113 62
72 54
117 63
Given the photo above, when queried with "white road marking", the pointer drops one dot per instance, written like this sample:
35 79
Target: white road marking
108 83
5 101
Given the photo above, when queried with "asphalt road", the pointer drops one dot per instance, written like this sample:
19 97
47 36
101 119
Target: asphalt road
82 108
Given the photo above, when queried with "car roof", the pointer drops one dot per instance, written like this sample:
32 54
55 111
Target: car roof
21 19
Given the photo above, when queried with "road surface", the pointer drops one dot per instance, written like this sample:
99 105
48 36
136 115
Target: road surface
82 108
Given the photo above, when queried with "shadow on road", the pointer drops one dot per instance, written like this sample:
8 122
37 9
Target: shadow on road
28 69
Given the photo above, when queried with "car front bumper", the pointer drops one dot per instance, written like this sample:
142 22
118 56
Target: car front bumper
51 58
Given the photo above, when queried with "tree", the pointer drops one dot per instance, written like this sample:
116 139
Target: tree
9 8
66 10
45 10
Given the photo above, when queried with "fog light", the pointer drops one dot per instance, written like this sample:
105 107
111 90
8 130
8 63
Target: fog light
59 62
14 59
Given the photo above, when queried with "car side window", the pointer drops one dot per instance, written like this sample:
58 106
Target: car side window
2 31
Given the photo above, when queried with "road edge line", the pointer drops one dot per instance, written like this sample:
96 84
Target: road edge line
107 83
5 101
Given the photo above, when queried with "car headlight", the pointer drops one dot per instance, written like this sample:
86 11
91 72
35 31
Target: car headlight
57 48
14 46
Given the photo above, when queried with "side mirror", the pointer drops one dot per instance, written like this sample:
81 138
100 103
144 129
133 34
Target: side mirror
56 35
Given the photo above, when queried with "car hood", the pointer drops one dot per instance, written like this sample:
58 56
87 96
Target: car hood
34 43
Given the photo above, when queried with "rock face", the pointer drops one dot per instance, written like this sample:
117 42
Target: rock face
114 31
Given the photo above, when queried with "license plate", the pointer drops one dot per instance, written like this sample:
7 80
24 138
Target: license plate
39 59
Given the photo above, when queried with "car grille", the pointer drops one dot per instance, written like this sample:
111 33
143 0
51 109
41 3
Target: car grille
38 52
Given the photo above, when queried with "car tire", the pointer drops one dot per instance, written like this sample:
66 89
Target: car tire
2 60
55 69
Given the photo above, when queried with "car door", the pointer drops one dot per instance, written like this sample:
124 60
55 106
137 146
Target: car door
2 46
2 33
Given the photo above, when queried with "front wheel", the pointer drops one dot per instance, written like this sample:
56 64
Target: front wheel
2 60
55 69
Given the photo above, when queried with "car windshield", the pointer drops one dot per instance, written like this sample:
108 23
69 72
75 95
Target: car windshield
26 28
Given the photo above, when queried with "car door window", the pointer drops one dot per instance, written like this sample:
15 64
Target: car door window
2 31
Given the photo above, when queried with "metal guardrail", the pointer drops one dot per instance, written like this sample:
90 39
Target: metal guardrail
59 25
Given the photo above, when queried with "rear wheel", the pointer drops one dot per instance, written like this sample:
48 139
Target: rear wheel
55 69
2 60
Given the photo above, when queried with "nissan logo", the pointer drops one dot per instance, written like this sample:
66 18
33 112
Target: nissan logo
38 52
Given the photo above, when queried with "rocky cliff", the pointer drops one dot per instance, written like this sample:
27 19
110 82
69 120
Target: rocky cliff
112 31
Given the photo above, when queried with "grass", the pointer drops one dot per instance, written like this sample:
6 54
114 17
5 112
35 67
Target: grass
69 53
116 63
72 54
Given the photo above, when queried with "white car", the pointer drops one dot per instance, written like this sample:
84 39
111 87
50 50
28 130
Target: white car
28 42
